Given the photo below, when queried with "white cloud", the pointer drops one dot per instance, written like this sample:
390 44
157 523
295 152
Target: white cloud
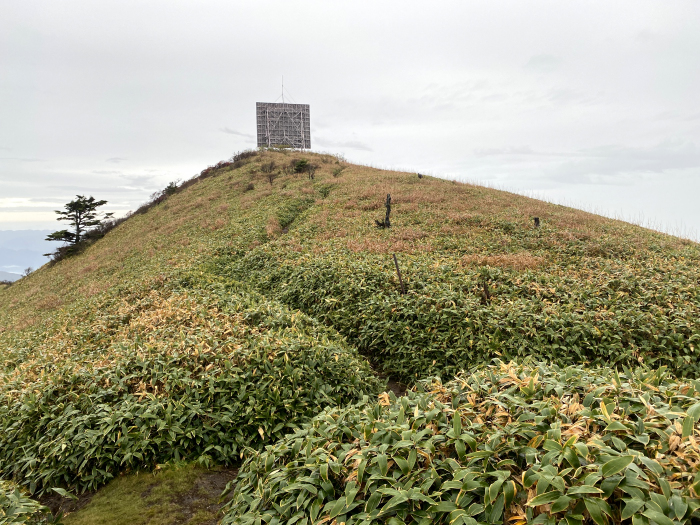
544 63
26 220
21 202
618 164
351 144
237 133
646 35
530 95
513 150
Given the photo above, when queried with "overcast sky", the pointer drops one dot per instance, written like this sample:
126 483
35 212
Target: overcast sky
594 104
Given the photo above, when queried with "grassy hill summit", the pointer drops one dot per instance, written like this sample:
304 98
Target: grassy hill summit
251 317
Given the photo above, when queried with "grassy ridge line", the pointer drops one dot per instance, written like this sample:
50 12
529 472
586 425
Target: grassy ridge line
178 371
506 444
429 215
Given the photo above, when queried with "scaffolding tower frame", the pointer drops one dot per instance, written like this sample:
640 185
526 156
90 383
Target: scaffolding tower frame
283 125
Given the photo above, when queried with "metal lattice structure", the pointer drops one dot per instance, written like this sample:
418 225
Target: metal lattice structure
283 125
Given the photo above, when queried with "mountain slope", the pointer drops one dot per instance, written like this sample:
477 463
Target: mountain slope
472 226
252 298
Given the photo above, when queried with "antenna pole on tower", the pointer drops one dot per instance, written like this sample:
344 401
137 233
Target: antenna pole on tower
282 89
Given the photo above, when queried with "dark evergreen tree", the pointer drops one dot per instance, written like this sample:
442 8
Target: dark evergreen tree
82 215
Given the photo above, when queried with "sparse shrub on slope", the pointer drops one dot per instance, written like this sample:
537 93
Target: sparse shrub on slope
507 444
577 311
176 373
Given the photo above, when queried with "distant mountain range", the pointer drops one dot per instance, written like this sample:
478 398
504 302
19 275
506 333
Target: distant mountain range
7 276
20 249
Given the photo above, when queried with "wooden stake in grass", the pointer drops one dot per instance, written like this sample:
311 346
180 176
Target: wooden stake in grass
537 222
385 223
485 294
398 271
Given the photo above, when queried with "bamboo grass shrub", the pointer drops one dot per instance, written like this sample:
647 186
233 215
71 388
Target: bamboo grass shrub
174 373
16 508
509 443
569 312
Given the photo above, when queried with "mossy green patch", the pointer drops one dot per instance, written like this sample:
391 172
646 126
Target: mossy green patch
185 495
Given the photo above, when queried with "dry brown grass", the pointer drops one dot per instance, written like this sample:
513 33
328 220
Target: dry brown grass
88 269
386 246
22 322
411 234
50 302
423 196
213 225
273 228
332 234
514 261
174 225
372 205
91 289
369 194
464 218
